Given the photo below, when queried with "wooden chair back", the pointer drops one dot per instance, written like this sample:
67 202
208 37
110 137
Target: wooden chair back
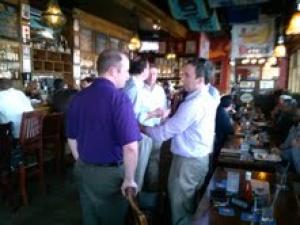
137 216
52 126
31 131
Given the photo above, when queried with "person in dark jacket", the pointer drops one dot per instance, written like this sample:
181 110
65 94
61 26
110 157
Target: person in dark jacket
224 126
61 96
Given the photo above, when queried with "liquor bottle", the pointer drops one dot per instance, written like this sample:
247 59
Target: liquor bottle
248 189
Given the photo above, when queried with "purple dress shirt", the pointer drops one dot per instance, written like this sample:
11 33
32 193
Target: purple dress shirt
101 119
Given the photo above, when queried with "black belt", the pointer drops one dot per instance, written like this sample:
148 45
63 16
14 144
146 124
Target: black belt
111 164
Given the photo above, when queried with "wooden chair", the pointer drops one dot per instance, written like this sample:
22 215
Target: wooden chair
137 217
5 159
53 137
31 145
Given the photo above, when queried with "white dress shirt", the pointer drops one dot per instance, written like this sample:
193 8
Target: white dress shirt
192 127
12 105
152 98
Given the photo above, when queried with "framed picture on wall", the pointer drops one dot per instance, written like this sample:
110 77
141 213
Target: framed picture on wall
190 47
9 21
86 40
162 47
101 42
114 43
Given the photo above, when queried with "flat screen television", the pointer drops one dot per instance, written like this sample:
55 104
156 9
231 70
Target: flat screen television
149 46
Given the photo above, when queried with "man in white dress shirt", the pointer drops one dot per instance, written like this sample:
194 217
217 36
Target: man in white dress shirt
154 98
192 130
139 71
13 103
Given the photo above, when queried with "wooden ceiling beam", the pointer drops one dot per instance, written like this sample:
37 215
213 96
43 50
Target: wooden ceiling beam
149 12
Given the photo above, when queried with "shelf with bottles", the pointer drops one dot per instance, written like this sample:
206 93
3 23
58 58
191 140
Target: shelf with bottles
9 56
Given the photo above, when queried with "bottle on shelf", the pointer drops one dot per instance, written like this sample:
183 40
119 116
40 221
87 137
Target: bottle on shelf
248 195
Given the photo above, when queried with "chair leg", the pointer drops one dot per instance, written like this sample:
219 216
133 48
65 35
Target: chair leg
41 171
58 161
22 183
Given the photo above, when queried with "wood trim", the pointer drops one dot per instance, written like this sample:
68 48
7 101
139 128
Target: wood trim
101 25
149 12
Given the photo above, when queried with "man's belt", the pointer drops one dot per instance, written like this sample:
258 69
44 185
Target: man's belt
111 164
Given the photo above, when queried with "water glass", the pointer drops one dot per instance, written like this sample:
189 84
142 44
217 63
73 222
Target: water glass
267 217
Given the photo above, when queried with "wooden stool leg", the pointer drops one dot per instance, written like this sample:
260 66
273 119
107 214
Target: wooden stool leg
22 183
41 171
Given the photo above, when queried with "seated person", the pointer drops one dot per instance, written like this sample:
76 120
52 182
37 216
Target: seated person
284 120
12 105
33 91
292 154
224 125
293 131
61 96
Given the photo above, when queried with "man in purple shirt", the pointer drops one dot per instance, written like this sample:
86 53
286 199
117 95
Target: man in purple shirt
103 134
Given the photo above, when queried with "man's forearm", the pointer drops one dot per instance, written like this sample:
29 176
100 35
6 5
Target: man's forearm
73 146
130 153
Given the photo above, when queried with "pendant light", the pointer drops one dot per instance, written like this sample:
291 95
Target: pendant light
134 43
280 49
53 15
294 24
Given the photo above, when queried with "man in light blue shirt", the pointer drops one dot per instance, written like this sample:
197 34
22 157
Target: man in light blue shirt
139 71
192 131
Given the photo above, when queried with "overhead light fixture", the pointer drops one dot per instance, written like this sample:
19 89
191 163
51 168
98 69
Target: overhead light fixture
53 15
261 61
156 25
280 49
253 61
134 43
245 61
171 55
294 24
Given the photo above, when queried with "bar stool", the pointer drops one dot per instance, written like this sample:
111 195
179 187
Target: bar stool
53 137
31 145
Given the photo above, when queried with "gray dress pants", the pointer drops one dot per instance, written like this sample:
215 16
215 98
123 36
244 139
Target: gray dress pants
186 177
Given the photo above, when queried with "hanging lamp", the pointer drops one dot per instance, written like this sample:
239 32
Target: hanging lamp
53 16
280 49
294 24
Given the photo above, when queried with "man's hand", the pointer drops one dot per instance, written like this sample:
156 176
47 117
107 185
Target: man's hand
126 184
159 113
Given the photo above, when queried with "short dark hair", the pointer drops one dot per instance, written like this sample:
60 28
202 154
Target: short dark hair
138 65
108 58
204 68
58 84
226 101
5 84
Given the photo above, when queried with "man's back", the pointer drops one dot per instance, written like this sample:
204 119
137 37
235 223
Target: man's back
97 119
12 105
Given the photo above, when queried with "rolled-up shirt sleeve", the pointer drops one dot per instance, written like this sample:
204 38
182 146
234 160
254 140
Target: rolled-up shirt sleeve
184 117
126 126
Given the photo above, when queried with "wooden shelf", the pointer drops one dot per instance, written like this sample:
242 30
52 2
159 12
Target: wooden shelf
47 61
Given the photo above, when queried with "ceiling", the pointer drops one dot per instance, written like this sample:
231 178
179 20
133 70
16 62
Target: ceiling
126 14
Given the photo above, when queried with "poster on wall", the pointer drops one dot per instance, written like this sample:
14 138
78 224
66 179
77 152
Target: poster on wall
252 40
204 46
190 47
101 43
114 43
9 21
86 40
